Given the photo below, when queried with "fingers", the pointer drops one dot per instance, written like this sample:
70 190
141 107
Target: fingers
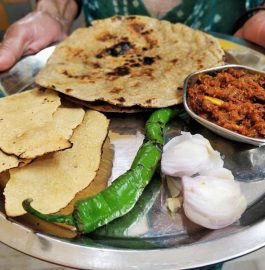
254 29
11 49
29 35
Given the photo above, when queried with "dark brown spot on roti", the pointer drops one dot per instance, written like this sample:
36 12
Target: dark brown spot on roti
138 27
143 72
152 42
148 101
96 65
116 90
120 71
135 65
148 60
75 52
121 99
116 50
147 32
136 84
68 90
130 18
80 77
174 61
119 49
106 36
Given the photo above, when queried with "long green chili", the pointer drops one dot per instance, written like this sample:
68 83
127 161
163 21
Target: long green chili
121 196
120 226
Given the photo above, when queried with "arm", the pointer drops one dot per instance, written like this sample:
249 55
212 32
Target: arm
254 28
48 23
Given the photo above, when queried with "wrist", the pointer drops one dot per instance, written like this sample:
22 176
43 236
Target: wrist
63 11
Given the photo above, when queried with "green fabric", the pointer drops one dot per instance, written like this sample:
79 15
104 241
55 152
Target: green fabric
206 15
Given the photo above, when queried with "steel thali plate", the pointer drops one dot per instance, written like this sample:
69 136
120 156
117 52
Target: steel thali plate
149 237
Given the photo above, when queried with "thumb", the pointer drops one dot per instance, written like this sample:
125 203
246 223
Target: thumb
11 49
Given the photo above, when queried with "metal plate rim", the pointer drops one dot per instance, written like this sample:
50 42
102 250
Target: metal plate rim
83 257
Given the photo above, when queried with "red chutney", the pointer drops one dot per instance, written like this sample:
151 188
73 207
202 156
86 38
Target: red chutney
240 104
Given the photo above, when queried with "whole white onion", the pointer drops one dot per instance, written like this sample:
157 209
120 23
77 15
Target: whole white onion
189 154
212 202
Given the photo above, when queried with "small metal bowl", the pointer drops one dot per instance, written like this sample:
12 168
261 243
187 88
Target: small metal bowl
226 133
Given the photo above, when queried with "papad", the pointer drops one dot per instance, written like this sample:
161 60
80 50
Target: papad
53 180
25 121
7 161
33 124
98 184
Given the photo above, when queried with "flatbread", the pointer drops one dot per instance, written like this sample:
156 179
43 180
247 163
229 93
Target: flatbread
129 61
33 124
8 161
53 180
98 184
26 123
103 106
65 120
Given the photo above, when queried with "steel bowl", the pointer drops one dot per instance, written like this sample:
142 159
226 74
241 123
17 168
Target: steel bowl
224 132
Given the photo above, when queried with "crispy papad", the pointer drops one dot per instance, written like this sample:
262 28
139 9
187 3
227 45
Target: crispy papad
25 121
7 161
53 180
129 61
98 184
67 118
33 124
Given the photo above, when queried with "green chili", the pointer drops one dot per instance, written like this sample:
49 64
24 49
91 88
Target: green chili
121 196
120 226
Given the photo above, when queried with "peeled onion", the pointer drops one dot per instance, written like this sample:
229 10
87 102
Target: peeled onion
212 202
219 173
187 154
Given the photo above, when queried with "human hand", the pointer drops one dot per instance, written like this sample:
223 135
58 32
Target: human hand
254 29
29 35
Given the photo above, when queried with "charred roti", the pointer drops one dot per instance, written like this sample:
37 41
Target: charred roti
129 61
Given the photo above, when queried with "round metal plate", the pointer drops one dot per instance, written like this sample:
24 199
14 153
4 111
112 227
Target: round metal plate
149 237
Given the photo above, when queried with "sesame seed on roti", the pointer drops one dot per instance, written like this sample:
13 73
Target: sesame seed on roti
129 61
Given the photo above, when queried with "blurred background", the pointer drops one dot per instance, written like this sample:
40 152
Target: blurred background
12 10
